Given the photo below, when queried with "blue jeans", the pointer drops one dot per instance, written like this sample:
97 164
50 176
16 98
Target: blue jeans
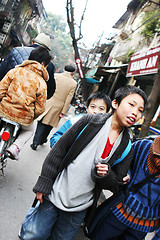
112 229
47 222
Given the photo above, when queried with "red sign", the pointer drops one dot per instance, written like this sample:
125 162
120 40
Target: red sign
78 61
145 62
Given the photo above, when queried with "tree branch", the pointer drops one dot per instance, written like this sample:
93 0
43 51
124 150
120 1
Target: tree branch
82 18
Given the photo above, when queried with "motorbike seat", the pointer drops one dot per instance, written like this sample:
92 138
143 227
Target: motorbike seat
9 121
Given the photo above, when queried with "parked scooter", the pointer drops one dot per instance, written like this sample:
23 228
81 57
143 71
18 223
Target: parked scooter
8 133
134 133
80 107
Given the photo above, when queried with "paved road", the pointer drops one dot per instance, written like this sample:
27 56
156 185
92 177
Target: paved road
16 194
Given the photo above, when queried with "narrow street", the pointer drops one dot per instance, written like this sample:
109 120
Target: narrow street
16 190
111 44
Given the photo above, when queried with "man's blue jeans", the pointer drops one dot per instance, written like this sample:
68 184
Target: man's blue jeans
47 222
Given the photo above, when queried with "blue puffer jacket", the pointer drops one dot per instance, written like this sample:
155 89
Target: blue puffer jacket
16 56
57 135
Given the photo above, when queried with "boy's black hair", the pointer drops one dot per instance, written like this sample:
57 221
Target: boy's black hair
40 54
127 90
100 95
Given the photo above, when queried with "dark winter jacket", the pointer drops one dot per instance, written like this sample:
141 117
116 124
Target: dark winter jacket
69 147
141 208
16 56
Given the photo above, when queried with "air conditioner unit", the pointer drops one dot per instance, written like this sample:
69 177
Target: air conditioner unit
123 35
2 38
6 27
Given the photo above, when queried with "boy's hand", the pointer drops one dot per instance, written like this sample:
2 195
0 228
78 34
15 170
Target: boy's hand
102 169
126 179
39 196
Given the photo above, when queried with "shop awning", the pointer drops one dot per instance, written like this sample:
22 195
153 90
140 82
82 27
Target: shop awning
98 72
91 80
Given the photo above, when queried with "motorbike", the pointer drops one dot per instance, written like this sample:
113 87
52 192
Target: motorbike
80 107
134 133
9 131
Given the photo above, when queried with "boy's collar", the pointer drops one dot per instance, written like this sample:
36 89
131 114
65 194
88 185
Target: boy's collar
156 146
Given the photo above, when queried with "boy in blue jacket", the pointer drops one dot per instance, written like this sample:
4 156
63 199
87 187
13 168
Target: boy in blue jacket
97 102
139 214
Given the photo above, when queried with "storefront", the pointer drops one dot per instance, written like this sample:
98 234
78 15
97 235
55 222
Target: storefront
110 78
142 69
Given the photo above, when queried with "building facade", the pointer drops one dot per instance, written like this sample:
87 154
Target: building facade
19 20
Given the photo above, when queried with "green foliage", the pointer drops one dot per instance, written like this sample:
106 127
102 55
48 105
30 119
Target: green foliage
151 27
61 45
31 31
129 54
62 49
55 22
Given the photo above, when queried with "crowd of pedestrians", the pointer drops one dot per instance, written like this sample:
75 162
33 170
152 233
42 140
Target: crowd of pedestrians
89 153
57 106
79 166
23 94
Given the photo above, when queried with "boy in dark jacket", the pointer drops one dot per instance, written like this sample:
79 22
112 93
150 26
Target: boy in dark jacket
80 164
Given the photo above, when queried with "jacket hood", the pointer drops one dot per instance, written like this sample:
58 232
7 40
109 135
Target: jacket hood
35 67
156 146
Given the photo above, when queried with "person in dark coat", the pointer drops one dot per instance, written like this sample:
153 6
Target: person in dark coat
18 54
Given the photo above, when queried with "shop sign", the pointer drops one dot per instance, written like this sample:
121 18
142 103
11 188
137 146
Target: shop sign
145 62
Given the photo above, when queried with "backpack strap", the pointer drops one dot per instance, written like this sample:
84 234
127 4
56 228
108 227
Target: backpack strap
124 154
142 182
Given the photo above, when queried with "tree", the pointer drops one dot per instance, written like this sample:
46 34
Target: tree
151 103
61 42
71 24
55 22
152 24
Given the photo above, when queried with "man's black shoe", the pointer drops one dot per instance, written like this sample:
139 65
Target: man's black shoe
34 147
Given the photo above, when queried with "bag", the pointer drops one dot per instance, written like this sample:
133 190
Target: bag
29 220
101 212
